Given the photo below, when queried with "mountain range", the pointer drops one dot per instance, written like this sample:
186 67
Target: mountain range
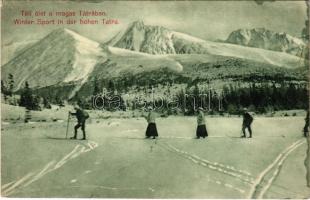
266 39
64 57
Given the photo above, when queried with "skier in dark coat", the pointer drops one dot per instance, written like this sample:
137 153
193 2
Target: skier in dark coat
151 130
81 116
306 127
247 121
201 130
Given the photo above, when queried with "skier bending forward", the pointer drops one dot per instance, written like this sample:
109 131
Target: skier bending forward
247 121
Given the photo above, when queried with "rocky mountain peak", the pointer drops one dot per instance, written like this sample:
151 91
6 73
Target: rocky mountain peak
139 24
267 39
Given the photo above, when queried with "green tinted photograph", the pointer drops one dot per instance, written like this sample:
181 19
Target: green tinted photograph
155 99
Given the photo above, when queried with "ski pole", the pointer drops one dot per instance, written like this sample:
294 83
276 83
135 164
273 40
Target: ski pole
68 124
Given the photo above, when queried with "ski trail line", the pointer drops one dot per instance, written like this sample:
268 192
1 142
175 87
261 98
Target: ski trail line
111 188
41 173
17 183
213 163
94 187
63 160
227 170
276 172
49 167
259 179
227 185
7 185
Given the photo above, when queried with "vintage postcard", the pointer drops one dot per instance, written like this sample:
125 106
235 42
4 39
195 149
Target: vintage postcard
155 99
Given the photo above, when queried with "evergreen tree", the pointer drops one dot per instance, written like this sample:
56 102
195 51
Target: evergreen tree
46 103
11 84
181 99
26 97
96 87
28 100
111 86
196 95
4 90
270 97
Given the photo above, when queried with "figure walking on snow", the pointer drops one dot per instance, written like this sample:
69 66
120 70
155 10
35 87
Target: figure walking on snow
151 130
247 121
201 124
81 116
306 127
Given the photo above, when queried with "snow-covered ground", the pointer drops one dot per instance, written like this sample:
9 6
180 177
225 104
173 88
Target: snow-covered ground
116 160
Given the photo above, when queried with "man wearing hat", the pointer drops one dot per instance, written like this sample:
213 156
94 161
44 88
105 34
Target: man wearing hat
247 121
151 130
81 116
201 130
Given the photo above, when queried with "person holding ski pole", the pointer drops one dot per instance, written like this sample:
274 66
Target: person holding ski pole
81 116
247 121
201 130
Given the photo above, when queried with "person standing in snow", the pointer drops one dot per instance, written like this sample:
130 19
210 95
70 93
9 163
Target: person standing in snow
201 130
81 116
151 130
306 127
247 121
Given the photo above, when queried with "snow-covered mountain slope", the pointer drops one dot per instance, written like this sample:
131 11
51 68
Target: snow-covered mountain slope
266 39
62 56
255 54
132 72
65 58
160 41
11 49
122 61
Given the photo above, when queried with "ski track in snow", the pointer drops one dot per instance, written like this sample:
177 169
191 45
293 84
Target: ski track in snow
277 171
7 185
66 187
170 137
16 184
226 185
260 186
112 188
31 177
130 131
241 175
142 138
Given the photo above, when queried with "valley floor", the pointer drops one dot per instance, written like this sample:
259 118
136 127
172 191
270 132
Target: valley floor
117 162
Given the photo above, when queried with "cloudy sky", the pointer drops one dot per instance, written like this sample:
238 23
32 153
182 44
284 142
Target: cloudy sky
204 19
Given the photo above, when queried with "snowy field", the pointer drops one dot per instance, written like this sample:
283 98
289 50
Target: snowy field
116 160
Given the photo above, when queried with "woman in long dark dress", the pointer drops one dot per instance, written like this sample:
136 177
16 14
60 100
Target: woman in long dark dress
201 125
151 130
